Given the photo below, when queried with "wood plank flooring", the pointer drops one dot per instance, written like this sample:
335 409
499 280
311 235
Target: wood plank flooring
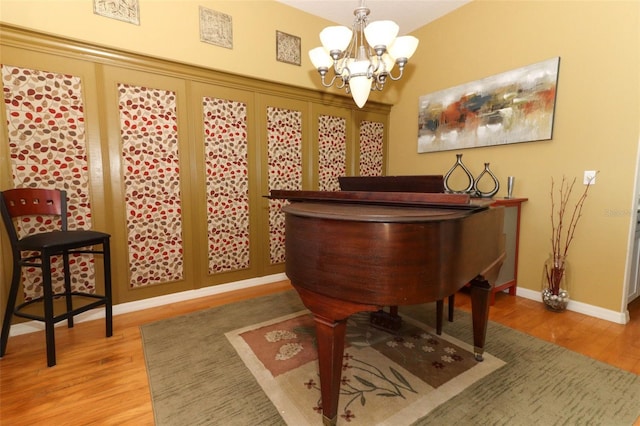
100 381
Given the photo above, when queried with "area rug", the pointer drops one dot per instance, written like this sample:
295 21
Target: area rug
387 378
196 376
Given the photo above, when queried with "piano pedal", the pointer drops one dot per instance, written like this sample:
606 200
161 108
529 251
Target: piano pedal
385 321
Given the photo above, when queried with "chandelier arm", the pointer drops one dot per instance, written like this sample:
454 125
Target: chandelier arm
344 72
374 68
401 68
333 79
378 82
323 74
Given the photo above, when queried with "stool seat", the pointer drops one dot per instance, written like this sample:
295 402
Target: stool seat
56 242
37 251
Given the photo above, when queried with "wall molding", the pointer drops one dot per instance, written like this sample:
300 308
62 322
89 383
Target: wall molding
30 40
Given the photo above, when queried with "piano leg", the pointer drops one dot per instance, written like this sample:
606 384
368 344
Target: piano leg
330 316
330 336
387 321
439 312
480 295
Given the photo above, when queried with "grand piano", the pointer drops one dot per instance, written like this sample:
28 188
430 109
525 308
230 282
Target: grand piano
359 251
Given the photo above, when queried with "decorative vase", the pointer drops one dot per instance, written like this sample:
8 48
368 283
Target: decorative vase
460 168
486 173
555 294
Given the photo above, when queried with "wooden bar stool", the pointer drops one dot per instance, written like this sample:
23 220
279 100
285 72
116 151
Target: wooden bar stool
36 251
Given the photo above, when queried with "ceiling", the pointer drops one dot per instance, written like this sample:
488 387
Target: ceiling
408 14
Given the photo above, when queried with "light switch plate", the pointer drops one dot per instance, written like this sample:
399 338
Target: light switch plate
589 177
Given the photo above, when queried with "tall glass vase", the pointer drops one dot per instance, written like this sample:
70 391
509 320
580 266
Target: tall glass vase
555 292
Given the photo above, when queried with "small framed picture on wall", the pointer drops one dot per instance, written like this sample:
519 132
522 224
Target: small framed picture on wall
216 28
288 48
122 10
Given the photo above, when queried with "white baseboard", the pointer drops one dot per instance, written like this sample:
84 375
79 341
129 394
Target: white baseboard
123 308
582 308
138 305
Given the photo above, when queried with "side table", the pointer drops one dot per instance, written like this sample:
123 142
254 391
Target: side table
508 277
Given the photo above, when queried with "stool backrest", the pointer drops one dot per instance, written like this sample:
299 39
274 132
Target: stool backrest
19 202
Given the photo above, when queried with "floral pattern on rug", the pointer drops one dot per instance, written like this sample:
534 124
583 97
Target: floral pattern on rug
378 366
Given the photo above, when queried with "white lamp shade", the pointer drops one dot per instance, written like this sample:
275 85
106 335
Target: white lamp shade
360 88
381 33
320 58
387 60
359 83
335 38
403 47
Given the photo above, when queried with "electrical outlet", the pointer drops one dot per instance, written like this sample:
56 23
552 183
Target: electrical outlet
589 177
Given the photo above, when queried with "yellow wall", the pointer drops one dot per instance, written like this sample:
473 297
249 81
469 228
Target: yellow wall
596 123
169 29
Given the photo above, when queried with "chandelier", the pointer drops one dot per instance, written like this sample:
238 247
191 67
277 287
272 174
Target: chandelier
362 57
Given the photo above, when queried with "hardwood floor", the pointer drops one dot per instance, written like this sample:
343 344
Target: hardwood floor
100 381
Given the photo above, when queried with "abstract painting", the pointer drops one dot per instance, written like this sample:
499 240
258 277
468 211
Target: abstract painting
515 106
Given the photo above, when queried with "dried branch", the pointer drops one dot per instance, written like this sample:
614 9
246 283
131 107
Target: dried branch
560 246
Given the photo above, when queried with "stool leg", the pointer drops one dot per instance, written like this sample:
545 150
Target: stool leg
11 304
106 258
452 300
67 286
48 309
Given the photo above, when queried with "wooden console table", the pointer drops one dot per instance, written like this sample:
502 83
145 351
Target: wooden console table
508 277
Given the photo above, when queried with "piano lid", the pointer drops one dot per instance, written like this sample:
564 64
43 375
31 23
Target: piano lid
358 212
406 199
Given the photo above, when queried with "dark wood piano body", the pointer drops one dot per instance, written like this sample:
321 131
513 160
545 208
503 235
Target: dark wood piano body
390 320
350 252
386 255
